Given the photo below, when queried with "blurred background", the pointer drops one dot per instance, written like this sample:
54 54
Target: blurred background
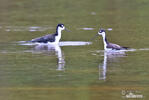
87 72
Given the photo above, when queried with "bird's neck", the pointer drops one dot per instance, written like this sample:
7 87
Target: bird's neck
105 41
58 31
58 35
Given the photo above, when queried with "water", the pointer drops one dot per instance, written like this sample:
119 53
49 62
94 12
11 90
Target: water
78 68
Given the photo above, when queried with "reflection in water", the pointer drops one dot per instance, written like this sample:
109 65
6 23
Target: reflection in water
57 50
103 67
62 43
41 47
109 56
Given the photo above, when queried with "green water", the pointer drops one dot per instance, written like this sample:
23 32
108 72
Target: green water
29 74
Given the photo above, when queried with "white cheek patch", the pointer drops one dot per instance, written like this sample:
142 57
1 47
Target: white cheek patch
61 28
99 33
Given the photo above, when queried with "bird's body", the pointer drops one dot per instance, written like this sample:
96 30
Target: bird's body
110 46
116 47
52 38
45 39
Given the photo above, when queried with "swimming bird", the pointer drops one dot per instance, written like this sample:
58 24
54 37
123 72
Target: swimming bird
52 38
108 45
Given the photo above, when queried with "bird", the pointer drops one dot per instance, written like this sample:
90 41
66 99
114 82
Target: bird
50 38
108 45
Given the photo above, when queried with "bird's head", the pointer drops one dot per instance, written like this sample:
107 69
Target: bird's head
101 32
60 27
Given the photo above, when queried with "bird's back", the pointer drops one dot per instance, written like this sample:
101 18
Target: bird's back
115 46
45 39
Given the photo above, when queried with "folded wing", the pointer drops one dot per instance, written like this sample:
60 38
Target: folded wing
114 46
44 39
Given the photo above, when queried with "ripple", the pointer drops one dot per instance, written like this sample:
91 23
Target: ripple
74 43
62 43
26 28
85 28
93 13
119 51
109 29
144 49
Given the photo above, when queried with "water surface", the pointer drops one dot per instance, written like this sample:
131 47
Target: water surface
76 72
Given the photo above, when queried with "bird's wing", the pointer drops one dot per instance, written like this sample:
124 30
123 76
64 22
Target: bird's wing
44 39
114 46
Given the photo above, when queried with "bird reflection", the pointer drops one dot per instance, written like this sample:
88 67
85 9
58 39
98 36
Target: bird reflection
56 49
109 56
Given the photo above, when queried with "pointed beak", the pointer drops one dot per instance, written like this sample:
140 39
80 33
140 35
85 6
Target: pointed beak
95 36
67 30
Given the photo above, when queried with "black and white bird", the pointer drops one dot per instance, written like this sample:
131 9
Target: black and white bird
108 45
51 38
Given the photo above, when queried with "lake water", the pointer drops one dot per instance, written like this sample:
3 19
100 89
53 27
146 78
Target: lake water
78 68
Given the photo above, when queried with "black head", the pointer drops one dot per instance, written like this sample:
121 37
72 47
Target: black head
60 27
101 30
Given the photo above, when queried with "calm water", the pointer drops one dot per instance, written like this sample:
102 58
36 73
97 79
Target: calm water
74 70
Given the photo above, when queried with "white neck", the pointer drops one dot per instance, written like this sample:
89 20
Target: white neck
58 37
105 44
